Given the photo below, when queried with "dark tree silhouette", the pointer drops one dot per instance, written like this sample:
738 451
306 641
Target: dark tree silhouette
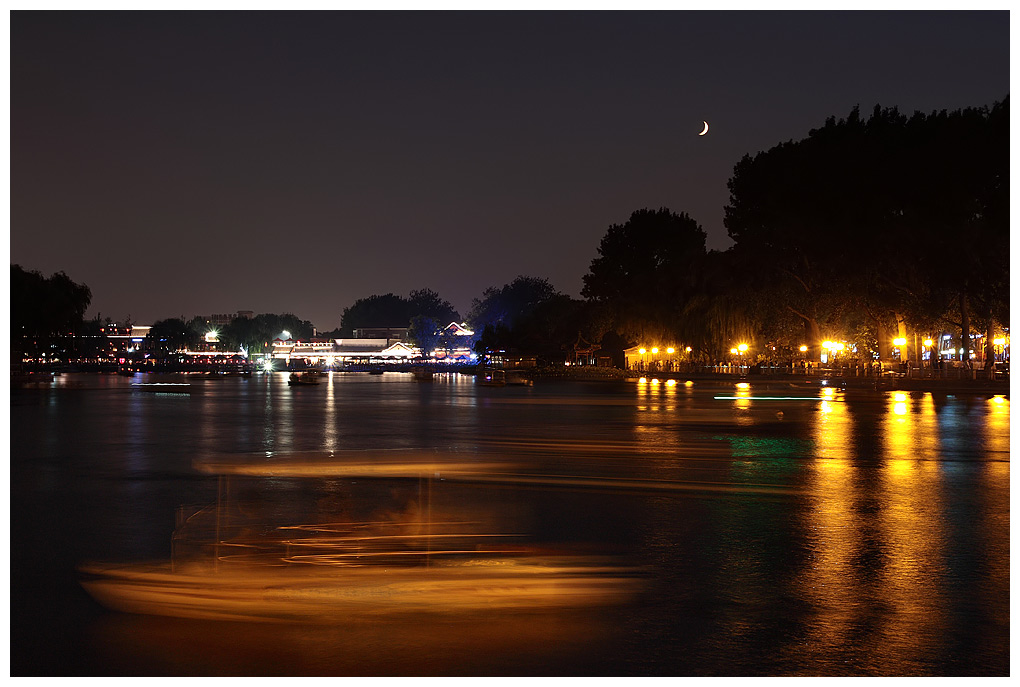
171 335
424 332
256 334
43 309
645 269
390 310
507 304
887 220
428 303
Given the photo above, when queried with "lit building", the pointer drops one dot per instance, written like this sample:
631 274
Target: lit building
654 358
455 343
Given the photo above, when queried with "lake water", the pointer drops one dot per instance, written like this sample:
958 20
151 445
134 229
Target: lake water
776 529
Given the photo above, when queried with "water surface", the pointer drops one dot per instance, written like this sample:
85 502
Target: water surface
778 530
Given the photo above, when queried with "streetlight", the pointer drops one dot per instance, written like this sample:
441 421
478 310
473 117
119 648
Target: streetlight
1000 346
899 342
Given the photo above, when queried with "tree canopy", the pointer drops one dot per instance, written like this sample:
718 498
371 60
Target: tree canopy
390 310
170 335
507 304
645 269
871 224
41 306
256 334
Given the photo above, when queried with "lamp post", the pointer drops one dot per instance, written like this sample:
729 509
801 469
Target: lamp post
1000 344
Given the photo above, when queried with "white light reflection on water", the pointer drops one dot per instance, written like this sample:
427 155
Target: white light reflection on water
329 418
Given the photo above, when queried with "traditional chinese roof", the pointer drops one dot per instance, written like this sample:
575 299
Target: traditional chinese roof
582 345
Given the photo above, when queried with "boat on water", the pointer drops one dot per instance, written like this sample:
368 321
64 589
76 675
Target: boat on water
309 378
490 376
518 379
164 387
21 376
29 378
259 554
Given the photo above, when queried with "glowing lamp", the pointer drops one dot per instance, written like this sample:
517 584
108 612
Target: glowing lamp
826 344
688 349
641 351
742 347
655 351
733 351
928 342
803 349
899 342
671 350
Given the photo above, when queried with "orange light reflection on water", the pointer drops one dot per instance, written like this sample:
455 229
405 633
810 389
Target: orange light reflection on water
833 580
911 530
879 538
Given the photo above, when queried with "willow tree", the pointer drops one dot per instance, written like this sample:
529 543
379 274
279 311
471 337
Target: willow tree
44 307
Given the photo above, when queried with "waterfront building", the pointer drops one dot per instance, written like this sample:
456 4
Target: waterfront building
647 358
455 346
330 352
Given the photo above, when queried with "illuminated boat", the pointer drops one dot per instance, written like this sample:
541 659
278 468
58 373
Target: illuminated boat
234 560
308 378
489 376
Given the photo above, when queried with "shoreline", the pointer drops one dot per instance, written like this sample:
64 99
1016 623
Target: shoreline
889 383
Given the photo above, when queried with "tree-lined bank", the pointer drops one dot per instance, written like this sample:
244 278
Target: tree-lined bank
875 233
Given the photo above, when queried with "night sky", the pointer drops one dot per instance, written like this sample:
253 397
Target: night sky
191 163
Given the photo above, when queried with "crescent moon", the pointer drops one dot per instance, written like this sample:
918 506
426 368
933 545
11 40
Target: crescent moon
705 131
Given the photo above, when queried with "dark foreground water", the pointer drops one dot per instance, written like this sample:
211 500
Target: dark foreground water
853 533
